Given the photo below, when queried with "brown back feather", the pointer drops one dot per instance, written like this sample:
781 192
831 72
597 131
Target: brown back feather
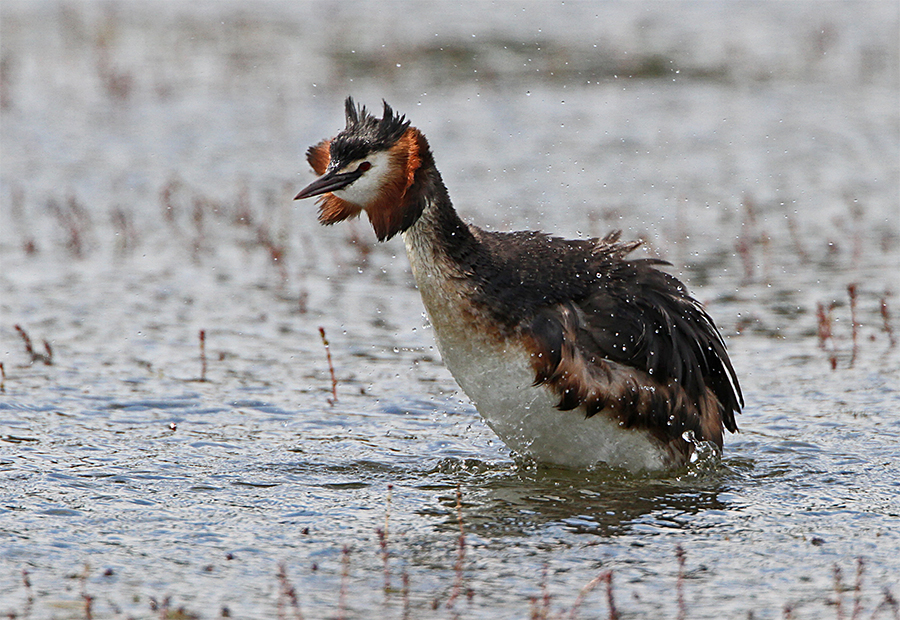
608 333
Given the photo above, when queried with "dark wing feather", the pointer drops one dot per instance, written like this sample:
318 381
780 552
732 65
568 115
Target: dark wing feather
644 318
608 332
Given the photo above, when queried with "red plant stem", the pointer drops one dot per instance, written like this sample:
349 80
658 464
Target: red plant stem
824 325
279 606
545 594
166 201
330 367
887 600
795 239
854 325
88 606
387 511
886 319
765 241
606 576
345 574
28 348
745 250
203 355
613 612
404 578
197 216
826 341
747 238
679 584
289 592
29 596
46 358
461 553
838 589
275 250
383 541
857 589
87 598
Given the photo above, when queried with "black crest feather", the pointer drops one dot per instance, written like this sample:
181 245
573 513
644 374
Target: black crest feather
364 133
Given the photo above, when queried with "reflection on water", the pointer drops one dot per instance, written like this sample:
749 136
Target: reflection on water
520 501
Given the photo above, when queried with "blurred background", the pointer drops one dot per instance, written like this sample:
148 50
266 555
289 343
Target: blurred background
149 152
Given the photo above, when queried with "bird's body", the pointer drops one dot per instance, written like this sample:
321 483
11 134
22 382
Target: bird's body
494 367
572 353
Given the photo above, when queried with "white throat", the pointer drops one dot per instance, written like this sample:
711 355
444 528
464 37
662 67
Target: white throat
365 190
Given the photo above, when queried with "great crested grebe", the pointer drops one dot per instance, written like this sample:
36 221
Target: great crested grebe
574 354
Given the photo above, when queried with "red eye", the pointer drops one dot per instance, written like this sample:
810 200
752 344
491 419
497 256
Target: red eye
363 167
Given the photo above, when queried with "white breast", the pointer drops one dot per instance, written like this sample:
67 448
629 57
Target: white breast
496 374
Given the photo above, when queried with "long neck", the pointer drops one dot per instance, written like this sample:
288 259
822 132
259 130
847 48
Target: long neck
438 236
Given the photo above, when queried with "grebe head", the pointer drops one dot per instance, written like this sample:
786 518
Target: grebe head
369 166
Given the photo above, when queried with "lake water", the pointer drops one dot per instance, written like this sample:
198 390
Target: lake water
150 152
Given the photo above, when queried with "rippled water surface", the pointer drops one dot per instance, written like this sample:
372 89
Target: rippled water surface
150 152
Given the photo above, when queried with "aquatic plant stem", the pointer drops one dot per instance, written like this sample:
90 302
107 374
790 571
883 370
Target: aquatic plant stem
604 576
330 367
826 340
29 595
857 589
854 324
46 358
838 592
461 552
383 542
679 584
202 355
886 320
287 591
404 579
345 574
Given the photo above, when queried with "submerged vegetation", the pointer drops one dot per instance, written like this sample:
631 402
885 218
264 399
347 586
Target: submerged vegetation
452 597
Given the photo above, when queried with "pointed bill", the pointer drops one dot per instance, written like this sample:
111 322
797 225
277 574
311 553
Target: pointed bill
328 182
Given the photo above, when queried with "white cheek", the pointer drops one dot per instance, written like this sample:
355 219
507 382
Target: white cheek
364 190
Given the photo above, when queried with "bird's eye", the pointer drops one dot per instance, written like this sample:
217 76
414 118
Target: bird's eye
363 167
